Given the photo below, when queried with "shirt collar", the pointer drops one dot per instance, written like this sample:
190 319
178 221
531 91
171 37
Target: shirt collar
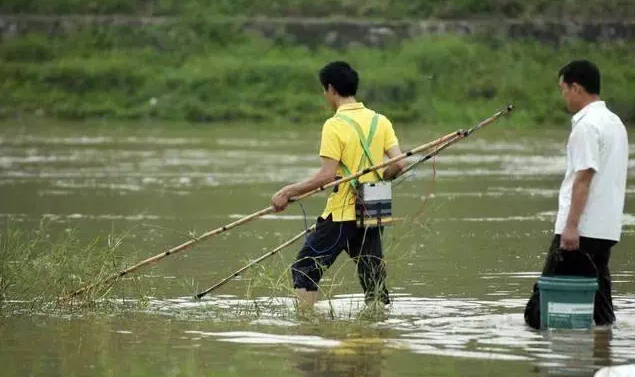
351 106
585 110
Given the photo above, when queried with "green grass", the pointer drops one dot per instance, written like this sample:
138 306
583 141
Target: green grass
393 9
207 74
38 267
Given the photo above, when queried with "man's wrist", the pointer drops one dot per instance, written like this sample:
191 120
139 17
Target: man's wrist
288 191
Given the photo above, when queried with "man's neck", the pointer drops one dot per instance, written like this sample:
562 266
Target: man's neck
345 100
587 100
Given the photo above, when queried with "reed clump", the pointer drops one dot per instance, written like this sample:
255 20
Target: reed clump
37 268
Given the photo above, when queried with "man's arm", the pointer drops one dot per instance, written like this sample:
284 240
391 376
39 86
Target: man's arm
325 175
391 148
570 238
584 146
393 170
331 153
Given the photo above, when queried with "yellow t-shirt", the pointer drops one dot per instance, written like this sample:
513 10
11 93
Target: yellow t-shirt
340 142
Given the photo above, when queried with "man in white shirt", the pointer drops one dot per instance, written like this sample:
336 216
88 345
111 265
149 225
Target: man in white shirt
591 199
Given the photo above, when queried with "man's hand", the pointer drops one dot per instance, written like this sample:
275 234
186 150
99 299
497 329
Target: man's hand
323 176
280 199
570 239
393 170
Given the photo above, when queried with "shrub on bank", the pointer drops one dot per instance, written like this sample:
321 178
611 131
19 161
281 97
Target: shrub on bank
429 80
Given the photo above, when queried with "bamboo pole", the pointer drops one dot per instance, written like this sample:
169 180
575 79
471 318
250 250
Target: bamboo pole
271 209
260 259
263 257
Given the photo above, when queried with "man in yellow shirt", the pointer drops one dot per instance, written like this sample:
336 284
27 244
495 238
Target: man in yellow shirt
342 154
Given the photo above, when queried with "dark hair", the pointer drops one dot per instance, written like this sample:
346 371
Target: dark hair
582 72
341 76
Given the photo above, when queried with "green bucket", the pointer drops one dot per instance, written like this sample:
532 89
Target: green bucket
566 302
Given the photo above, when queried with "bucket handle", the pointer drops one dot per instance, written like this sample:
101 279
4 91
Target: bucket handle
585 253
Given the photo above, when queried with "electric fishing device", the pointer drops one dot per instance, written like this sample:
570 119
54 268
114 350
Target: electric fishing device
373 204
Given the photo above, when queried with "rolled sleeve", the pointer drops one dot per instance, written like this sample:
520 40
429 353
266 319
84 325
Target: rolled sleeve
584 147
330 145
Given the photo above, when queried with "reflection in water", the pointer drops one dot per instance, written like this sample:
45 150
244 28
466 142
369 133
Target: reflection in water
468 329
579 354
353 357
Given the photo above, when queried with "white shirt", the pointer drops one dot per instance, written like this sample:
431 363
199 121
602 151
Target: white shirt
598 140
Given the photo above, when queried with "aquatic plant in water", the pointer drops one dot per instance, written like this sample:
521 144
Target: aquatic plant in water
38 267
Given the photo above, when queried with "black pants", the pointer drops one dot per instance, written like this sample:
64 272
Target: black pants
323 246
591 260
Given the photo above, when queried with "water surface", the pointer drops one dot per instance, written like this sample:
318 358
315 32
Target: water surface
459 274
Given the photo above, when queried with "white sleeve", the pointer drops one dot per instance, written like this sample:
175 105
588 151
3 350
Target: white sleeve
584 147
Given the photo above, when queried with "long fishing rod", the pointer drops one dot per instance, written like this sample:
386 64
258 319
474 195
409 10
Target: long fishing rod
263 212
260 259
263 257
451 141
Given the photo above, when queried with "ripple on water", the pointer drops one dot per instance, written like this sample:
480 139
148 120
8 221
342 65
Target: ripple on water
97 140
251 337
466 328
490 328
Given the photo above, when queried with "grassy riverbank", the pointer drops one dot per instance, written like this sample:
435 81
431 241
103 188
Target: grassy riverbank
209 73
